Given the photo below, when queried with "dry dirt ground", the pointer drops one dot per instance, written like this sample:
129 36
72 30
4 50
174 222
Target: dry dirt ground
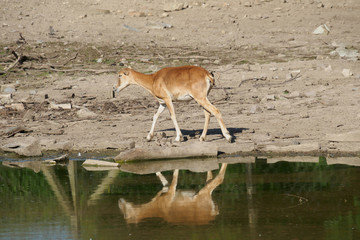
281 88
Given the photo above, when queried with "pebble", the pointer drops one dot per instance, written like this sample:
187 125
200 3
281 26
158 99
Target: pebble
270 106
65 106
174 6
255 109
8 89
16 106
322 29
85 113
133 13
347 73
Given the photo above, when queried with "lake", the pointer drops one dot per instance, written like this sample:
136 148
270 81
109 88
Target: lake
225 198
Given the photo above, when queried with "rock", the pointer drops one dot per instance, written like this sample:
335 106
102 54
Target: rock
255 109
270 106
16 106
29 147
269 98
198 149
29 115
14 130
294 94
5 98
195 165
174 6
343 52
347 73
8 89
92 162
298 148
131 28
273 69
33 165
310 93
328 68
160 25
102 11
64 106
62 159
133 13
353 136
322 29
85 113
247 4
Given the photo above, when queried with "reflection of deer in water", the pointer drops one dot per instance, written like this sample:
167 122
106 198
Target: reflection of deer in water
177 206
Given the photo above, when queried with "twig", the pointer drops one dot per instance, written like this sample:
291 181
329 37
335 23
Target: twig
71 59
262 78
53 69
18 58
302 200
22 38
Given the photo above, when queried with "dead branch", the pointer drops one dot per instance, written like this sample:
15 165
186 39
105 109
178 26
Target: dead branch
262 78
51 68
71 59
18 60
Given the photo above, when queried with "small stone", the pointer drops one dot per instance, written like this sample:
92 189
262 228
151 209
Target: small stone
85 113
322 29
347 73
269 98
136 14
16 106
255 109
328 68
270 106
294 94
64 106
5 98
8 89
174 6
310 94
273 69
28 147
247 4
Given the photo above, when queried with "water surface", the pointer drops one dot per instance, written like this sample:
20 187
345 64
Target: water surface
253 200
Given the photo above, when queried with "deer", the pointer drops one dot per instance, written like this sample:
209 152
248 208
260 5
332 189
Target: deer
175 84
177 206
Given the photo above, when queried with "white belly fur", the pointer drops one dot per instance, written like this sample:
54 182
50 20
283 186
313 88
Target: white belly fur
186 97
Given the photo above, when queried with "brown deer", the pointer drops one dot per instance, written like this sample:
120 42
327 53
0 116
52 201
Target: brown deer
177 206
176 84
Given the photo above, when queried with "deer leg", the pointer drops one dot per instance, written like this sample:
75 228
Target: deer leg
162 179
209 176
170 106
205 103
172 187
215 182
206 125
157 114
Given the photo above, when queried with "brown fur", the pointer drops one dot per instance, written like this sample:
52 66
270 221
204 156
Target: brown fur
176 84
177 206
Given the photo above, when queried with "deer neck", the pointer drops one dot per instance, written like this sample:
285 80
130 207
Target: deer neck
144 80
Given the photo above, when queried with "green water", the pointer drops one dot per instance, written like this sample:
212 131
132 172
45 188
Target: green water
256 200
